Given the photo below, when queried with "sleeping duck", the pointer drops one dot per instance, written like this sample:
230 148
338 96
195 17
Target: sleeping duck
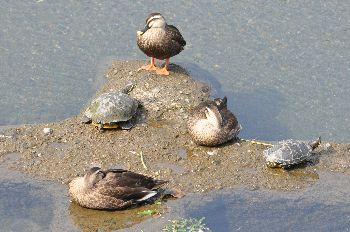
211 123
112 189
159 40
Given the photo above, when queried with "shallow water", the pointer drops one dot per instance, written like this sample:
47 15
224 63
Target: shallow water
34 205
283 64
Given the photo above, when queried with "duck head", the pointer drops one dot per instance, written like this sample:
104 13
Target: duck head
93 176
221 102
154 20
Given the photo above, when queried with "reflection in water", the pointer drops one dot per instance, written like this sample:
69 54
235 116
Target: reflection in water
98 220
24 207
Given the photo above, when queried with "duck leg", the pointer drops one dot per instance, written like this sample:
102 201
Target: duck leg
164 71
151 66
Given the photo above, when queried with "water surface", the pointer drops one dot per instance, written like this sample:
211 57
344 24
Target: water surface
283 64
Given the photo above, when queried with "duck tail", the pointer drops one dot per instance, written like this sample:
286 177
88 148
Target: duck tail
147 196
158 183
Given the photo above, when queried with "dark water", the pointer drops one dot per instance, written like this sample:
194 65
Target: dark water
283 64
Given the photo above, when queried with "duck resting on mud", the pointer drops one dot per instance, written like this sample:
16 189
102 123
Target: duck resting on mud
112 189
211 123
159 40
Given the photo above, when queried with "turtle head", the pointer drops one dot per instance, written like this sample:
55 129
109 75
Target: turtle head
272 164
315 144
93 176
128 87
154 20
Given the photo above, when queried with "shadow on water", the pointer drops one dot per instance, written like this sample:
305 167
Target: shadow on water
204 76
258 119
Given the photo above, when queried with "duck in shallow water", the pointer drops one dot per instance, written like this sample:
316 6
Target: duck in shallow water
112 189
211 123
159 40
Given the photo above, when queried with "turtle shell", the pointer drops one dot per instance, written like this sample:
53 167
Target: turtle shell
111 107
287 153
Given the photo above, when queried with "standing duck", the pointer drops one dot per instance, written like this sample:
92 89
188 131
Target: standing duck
211 123
112 189
159 40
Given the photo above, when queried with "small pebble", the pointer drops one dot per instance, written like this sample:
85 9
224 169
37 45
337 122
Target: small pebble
47 131
212 153
327 146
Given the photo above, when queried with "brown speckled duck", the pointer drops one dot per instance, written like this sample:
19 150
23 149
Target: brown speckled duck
211 123
159 40
112 189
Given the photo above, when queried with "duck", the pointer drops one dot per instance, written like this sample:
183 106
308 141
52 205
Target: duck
210 123
159 40
112 189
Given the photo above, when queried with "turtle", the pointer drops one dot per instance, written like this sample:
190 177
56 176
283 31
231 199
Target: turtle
287 153
112 109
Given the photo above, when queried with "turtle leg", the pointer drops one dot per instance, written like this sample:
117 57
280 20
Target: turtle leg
151 66
127 125
164 71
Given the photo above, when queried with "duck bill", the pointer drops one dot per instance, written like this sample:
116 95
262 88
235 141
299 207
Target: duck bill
143 30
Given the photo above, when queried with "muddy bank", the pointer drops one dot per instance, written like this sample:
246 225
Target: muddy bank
161 136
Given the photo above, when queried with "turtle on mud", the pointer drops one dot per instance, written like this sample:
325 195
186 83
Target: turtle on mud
287 153
112 110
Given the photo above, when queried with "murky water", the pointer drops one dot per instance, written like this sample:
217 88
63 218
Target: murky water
283 64
31 205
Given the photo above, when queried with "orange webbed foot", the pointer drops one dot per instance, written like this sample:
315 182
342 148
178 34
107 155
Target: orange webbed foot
162 71
150 67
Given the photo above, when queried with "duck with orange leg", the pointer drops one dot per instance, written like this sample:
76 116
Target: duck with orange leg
161 41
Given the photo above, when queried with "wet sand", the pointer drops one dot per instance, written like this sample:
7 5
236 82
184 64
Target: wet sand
161 136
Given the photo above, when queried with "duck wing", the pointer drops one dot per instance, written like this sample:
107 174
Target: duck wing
124 178
175 35
124 193
230 123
